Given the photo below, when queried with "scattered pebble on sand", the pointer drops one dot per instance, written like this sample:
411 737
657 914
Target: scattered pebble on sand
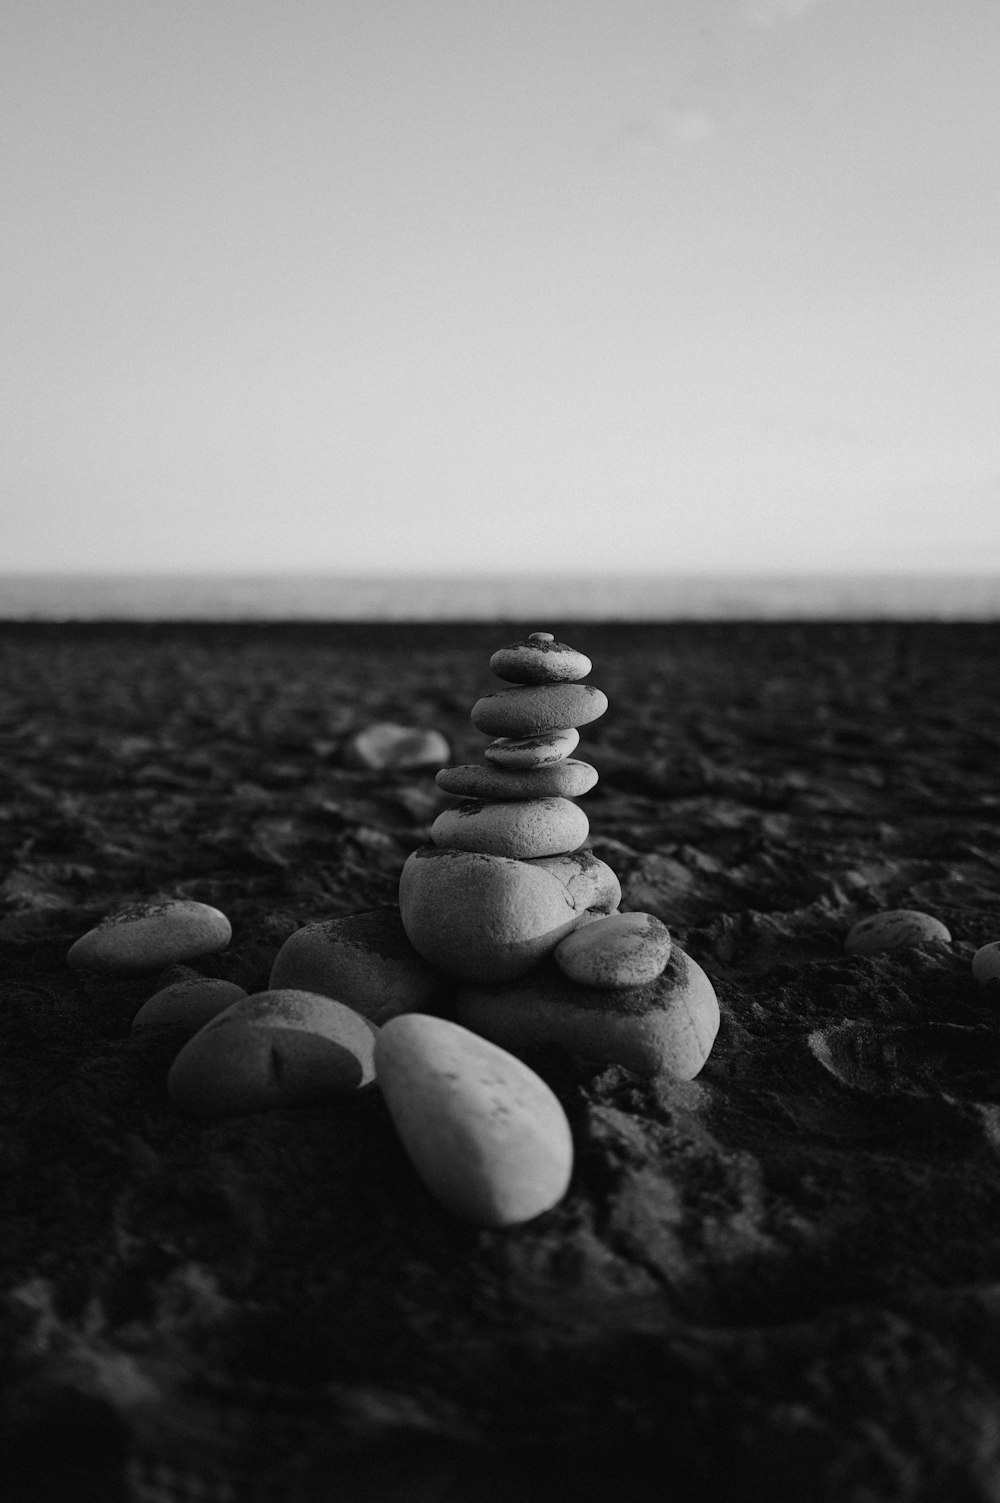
149 936
895 929
986 962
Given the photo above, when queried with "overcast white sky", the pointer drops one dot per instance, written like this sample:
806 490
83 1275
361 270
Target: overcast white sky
439 284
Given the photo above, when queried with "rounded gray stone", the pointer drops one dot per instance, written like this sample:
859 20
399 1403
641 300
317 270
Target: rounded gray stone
364 960
624 949
276 1048
534 709
187 1005
536 661
986 962
149 936
566 778
481 917
895 929
666 1027
533 751
521 829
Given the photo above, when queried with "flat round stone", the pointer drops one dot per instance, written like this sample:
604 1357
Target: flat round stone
486 1135
188 1005
479 917
533 751
149 936
590 882
624 949
385 745
361 959
534 709
895 929
521 829
537 661
275 1048
986 962
666 1027
566 778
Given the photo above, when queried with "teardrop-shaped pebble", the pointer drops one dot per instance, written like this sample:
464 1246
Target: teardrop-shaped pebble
986 962
533 751
537 661
520 829
536 708
187 1005
361 959
566 778
666 1027
895 929
149 936
624 949
487 1136
275 1048
483 918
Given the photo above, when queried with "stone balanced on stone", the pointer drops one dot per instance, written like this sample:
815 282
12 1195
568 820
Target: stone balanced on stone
503 880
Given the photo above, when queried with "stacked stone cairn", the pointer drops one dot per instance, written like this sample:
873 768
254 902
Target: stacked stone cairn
507 939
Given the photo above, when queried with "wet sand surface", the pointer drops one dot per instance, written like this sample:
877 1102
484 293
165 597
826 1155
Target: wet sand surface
781 1277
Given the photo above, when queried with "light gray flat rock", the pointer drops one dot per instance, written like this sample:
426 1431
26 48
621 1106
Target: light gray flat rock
625 949
533 751
665 1027
385 745
522 829
537 661
534 709
895 929
150 936
566 778
187 1005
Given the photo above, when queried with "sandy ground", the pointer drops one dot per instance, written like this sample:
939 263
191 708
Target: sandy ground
781 1279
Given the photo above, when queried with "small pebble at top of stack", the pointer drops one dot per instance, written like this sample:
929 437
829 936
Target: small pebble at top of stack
540 660
986 962
522 828
624 949
149 936
487 1136
276 1048
895 929
534 709
566 778
533 751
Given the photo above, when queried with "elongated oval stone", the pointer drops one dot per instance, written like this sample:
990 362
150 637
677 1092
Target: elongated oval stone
665 1027
275 1048
567 778
480 917
533 751
533 709
187 1005
149 936
895 929
487 1136
624 949
521 829
537 661
364 960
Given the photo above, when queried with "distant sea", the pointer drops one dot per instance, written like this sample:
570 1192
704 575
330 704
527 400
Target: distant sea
470 597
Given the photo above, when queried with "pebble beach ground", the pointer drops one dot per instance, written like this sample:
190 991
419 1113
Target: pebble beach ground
782 1275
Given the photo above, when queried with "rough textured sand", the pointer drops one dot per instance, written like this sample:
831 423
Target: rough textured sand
780 1280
